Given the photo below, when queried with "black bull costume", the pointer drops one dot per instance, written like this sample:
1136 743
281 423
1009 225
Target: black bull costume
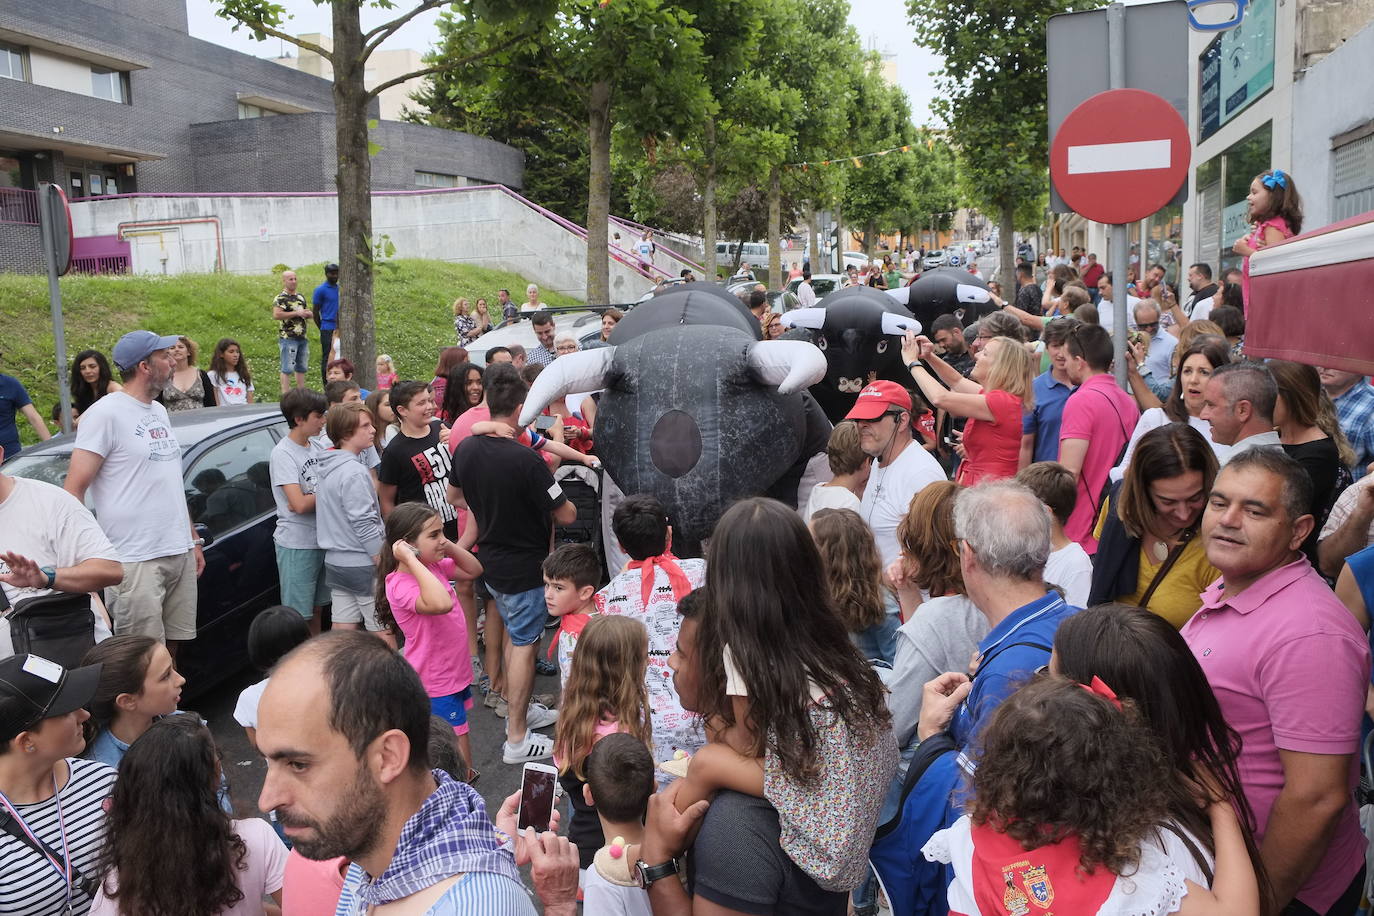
696 410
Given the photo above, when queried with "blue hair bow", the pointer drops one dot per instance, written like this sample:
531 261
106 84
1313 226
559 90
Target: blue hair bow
1275 179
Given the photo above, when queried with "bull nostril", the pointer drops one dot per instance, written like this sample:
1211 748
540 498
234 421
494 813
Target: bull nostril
675 444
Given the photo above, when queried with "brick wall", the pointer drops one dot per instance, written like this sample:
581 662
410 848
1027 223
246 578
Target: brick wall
21 249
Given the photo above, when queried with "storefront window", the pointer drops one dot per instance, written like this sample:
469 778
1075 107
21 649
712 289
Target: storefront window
1222 184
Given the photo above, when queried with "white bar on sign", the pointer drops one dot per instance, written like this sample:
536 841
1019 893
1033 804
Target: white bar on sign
1136 156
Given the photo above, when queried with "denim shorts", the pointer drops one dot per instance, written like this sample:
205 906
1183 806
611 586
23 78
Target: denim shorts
524 614
453 709
294 353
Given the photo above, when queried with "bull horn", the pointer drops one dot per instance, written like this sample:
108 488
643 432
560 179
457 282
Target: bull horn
967 292
811 318
899 324
585 370
791 365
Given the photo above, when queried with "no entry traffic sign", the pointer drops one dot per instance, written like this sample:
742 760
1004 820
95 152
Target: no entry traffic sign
1120 156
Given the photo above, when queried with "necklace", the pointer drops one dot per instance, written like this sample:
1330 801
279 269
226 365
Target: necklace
1160 550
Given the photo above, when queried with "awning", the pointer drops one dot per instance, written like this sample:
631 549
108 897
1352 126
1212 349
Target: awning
1312 298
17 139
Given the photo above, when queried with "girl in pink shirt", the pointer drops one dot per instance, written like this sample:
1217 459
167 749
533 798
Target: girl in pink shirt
1275 214
415 595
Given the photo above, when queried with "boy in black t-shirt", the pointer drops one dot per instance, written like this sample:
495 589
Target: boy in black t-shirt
415 465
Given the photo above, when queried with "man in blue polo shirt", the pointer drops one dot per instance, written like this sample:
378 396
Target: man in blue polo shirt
326 302
1003 533
1040 427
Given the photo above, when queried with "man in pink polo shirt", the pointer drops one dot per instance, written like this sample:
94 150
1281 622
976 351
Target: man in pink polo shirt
1289 666
1097 423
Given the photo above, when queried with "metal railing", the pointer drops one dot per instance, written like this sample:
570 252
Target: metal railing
19 205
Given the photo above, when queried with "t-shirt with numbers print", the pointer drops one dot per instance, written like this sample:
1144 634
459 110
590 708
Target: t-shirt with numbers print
418 468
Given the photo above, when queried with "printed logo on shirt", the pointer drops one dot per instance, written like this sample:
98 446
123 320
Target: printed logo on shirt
555 491
162 445
433 466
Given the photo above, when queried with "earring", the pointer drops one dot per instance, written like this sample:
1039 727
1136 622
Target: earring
28 749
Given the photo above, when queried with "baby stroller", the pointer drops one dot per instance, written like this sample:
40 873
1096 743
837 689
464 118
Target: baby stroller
582 486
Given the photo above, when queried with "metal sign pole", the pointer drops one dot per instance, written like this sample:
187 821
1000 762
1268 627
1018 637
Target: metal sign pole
1120 236
48 230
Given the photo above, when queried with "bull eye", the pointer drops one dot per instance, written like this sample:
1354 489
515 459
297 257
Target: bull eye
675 444
882 345
820 341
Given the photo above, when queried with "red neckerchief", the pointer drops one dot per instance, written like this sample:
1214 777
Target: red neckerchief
1010 881
676 577
572 625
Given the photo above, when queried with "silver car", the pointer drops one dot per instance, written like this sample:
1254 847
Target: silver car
584 324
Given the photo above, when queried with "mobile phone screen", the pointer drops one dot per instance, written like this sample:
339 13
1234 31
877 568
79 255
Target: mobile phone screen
544 423
536 799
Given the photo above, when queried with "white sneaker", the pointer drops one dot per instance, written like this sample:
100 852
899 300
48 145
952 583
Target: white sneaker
540 715
534 747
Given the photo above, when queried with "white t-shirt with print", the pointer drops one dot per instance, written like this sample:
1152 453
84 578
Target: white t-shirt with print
889 491
139 495
231 388
292 463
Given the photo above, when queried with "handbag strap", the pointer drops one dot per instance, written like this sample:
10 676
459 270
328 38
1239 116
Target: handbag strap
1163 570
7 823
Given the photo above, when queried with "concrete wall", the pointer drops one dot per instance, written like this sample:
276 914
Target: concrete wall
483 226
1324 107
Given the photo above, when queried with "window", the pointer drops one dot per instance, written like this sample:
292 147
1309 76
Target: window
11 62
109 84
230 484
249 110
438 180
1353 182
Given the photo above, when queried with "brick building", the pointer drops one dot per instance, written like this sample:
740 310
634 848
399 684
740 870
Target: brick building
114 96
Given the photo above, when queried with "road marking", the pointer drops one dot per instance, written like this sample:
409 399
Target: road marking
1136 156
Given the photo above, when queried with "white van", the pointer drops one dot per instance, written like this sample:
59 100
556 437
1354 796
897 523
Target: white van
755 253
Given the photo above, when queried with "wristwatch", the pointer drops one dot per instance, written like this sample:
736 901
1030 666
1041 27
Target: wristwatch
646 875
51 574
198 542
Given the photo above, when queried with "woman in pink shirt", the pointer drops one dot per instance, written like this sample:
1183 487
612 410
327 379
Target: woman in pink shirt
994 397
1275 214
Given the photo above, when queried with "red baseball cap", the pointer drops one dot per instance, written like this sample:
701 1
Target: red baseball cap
877 398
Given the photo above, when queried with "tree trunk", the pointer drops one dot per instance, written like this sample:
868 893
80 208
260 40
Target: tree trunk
870 238
775 229
357 326
708 205
813 235
599 194
839 238
1006 248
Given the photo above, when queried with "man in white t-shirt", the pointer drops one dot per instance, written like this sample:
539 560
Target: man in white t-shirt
128 457
900 468
49 542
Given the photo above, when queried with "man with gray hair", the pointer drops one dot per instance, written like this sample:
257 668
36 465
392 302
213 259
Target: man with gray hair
1238 400
1003 532
1161 343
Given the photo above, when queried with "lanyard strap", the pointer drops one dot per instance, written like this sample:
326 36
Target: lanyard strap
63 864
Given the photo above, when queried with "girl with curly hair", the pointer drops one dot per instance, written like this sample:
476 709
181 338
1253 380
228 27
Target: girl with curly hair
189 858
854 571
1069 806
796 716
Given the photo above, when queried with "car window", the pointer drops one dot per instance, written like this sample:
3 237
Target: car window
47 468
822 287
230 484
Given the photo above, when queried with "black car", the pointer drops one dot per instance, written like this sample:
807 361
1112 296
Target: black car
225 452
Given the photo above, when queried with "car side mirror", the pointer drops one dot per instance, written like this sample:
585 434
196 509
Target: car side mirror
203 532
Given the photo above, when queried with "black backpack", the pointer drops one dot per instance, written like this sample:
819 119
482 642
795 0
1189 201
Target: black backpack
58 626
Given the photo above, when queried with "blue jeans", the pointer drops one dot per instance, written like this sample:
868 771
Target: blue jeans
523 614
880 640
295 351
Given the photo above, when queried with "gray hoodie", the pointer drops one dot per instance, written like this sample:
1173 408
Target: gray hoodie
348 518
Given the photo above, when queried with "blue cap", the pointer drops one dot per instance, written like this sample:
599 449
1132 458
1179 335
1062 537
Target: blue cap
135 346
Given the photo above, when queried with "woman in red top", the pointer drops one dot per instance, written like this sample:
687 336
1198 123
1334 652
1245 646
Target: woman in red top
994 397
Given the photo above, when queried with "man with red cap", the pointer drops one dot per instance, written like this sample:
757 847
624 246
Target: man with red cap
900 469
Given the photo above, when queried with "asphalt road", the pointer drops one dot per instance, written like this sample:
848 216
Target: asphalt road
245 769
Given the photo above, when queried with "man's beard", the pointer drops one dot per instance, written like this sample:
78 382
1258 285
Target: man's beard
351 831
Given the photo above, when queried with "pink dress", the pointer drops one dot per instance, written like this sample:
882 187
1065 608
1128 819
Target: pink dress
1256 241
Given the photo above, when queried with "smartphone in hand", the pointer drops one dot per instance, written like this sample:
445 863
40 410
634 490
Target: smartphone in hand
538 788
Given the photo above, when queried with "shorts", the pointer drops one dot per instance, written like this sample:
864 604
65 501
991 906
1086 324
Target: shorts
524 614
295 351
453 709
354 608
157 598
301 573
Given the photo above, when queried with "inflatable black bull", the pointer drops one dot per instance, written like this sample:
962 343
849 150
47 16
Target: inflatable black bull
696 410
860 330
944 291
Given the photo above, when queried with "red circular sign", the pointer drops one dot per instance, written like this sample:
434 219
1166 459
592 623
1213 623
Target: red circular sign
1120 156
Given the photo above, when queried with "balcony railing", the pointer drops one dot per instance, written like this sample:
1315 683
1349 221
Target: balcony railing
18 205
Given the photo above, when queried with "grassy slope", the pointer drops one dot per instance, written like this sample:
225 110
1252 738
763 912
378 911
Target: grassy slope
413 309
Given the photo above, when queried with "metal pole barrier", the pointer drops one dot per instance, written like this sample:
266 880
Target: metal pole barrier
1120 239
47 228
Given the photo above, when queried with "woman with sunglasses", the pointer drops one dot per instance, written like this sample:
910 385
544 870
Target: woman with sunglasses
52 800
1148 552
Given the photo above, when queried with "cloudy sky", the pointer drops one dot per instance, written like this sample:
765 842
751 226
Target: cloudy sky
882 25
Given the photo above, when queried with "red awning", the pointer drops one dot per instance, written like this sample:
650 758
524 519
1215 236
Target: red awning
1312 298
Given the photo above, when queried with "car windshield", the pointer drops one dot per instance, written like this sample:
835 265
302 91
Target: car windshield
47 468
822 287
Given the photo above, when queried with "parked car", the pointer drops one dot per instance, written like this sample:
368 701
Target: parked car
583 323
934 259
822 284
225 452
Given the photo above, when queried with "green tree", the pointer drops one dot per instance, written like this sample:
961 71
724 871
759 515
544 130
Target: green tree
637 63
879 193
991 94
352 48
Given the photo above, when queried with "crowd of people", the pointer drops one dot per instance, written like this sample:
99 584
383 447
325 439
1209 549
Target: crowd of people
1037 640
